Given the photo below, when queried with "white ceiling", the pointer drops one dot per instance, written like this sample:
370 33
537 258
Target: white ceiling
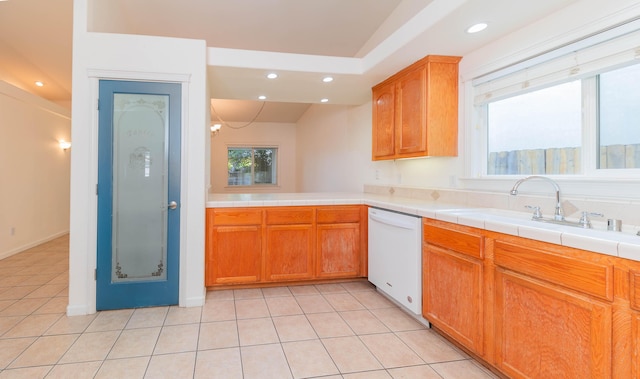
359 42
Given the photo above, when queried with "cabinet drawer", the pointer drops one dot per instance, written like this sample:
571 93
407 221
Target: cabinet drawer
286 215
588 277
461 242
234 216
338 215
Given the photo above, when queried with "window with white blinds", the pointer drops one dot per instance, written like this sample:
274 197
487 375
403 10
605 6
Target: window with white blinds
604 51
570 111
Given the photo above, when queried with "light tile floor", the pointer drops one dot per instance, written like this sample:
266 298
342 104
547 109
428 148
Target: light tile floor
326 331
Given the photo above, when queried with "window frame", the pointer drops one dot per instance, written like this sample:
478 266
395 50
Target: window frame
477 162
253 148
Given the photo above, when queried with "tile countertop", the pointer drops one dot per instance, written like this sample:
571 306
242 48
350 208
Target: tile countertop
624 244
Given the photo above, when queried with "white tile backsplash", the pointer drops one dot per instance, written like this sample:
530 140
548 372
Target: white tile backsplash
488 200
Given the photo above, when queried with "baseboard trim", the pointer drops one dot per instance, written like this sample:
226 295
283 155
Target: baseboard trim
28 246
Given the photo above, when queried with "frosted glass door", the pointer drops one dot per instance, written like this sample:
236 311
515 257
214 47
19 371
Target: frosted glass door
138 194
139 187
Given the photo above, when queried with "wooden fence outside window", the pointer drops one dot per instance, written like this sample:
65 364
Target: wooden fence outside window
559 161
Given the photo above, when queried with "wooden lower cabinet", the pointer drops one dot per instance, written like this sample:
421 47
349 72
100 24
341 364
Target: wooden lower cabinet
289 254
635 348
532 309
452 298
634 296
283 244
341 241
545 331
289 243
338 250
453 288
553 311
235 255
233 246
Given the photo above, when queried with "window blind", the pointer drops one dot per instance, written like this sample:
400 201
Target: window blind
610 49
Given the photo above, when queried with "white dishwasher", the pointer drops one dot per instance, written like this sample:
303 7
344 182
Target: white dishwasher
395 256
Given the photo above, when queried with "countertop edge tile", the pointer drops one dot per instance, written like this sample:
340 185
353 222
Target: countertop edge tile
538 234
598 245
446 217
474 222
629 251
501 227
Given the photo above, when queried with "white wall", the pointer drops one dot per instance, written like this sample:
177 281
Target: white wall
130 57
34 170
282 136
334 148
334 154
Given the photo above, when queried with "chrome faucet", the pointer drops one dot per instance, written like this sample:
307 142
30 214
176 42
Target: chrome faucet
559 214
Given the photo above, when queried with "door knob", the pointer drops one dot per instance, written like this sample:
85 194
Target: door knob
173 205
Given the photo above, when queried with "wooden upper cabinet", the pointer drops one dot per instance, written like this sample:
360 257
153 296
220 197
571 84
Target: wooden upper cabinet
383 138
415 112
411 126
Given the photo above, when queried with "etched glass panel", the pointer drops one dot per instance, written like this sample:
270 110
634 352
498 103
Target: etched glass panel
139 187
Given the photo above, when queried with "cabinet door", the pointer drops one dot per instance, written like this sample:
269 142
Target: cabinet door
383 138
234 254
453 296
411 125
289 253
442 107
635 326
544 331
338 250
634 294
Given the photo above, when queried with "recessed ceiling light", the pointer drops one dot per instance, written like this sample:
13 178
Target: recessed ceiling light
262 97
477 28
325 100
39 83
327 79
272 75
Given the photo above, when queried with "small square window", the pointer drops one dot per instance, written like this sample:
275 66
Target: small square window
248 166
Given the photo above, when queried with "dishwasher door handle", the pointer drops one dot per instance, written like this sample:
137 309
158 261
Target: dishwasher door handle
396 223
